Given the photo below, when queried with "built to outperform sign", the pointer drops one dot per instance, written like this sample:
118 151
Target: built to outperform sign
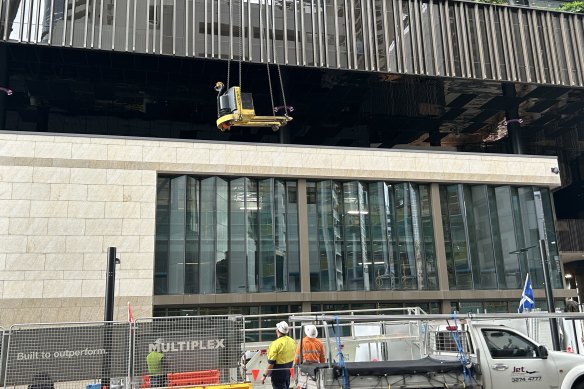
71 353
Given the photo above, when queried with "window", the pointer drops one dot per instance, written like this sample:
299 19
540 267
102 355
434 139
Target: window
506 344
370 236
209 229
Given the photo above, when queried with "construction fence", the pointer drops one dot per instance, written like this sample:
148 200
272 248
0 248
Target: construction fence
219 351
199 351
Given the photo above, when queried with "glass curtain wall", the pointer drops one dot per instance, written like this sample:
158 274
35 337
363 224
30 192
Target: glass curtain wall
492 236
370 236
220 235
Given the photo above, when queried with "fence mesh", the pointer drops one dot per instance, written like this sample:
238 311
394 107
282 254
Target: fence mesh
67 355
449 342
1 358
187 351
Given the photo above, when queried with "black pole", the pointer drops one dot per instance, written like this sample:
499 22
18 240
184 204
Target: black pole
108 315
110 285
575 336
549 295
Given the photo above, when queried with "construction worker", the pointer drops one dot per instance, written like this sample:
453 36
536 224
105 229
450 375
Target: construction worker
280 358
309 350
156 369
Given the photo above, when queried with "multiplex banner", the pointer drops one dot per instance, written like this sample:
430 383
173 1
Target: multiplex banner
189 343
71 353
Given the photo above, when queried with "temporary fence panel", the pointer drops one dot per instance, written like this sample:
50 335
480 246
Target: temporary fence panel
2 359
71 354
198 350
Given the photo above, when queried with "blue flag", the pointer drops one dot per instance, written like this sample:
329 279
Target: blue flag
527 302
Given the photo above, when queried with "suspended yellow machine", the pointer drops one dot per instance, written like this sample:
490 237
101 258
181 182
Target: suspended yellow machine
235 109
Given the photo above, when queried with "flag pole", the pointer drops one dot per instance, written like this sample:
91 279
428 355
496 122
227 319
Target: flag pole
549 295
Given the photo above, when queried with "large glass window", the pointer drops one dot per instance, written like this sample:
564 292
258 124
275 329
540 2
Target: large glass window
219 235
492 235
370 236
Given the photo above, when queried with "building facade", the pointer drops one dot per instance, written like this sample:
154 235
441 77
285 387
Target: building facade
203 227
432 146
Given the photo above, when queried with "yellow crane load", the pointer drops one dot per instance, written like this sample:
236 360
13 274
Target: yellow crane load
235 109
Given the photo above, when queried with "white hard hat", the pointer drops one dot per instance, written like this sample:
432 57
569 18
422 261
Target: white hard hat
282 327
311 331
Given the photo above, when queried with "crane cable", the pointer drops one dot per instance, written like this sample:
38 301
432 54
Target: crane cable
240 61
240 41
240 36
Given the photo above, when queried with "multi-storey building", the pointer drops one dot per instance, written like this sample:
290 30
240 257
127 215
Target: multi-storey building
420 168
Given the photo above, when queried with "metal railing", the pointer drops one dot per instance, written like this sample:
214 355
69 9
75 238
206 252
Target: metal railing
424 37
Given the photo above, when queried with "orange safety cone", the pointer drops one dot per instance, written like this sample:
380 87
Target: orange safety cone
254 374
292 372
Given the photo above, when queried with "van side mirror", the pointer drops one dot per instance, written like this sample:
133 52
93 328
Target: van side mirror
542 352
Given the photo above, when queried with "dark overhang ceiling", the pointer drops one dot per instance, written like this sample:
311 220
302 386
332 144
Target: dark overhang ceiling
331 107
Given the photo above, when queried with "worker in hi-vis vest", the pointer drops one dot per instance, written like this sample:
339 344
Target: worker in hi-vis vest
310 350
280 358
156 366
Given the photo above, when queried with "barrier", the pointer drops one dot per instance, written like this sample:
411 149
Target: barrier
71 354
195 350
207 377
229 386
2 360
203 352
194 378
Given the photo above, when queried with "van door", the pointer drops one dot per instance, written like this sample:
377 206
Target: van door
512 361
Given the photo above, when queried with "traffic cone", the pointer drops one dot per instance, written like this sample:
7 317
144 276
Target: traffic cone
254 374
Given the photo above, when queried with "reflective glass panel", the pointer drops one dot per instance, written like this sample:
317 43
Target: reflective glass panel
494 232
219 235
370 236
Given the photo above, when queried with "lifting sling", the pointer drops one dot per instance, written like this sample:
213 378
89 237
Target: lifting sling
235 108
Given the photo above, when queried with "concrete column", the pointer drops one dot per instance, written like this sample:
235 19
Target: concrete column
303 240
434 136
512 115
439 240
3 83
284 135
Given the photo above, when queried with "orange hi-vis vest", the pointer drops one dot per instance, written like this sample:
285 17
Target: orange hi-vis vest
312 351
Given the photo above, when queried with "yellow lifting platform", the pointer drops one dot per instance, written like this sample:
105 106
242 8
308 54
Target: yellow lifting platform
235 109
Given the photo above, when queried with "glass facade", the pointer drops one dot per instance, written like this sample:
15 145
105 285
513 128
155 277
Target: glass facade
370 236
492 233
241 235
220 235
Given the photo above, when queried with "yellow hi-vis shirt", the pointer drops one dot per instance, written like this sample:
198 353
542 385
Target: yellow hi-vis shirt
282 351
154 362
